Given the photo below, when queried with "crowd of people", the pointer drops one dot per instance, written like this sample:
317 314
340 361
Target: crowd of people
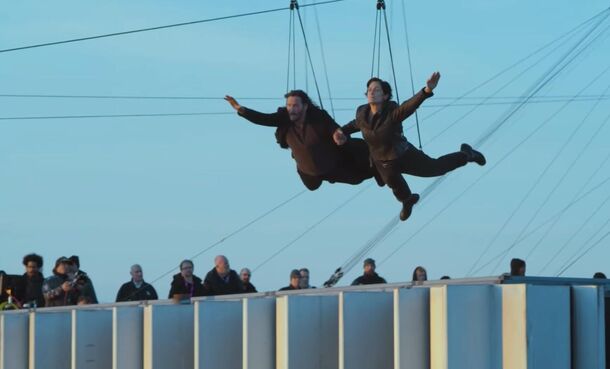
70 285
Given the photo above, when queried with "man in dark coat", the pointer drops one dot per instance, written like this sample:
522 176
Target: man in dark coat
222 280
380 122
308 132
369 276
295 281
185 284
28 288
136 289
247 287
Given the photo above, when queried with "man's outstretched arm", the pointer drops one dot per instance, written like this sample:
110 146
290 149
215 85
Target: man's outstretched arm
262 119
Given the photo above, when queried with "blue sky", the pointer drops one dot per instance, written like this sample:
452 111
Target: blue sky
154 191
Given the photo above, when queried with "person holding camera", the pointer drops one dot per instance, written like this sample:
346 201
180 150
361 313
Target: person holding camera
67 285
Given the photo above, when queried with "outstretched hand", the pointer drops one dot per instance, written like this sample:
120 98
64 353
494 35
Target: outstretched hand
339 137
432 81
233 102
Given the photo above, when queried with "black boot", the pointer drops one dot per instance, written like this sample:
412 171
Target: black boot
407 206
473 155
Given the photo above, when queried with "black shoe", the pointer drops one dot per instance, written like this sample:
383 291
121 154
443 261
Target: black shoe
473 155
407 206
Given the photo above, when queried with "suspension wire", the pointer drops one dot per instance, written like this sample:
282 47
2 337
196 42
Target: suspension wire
311 228
548 221
233 233
404 20
49 117
387 33
568 266
570 167
313 72
379 47
374 44
330 97
294 51
290 29
114 34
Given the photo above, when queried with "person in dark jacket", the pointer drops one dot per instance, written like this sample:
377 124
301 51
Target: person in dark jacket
28 288
62 288
85 283
136 289
295 281
308 131
380 122
247 287
369 276
222 280
185 284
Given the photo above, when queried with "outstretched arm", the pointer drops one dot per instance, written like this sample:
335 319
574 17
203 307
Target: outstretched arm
408 107
262 119
340 135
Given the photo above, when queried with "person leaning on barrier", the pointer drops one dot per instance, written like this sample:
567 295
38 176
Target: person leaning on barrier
304 283
136 289
222 280
28 288
185 284
295 281
517 268
420 275
247 287
369 276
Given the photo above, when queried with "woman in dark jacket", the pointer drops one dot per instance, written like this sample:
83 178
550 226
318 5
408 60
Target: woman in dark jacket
380 122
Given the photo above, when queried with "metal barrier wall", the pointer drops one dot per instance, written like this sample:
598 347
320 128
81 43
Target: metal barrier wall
548 323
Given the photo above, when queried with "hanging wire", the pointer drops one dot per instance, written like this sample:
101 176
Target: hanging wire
313 72
404 20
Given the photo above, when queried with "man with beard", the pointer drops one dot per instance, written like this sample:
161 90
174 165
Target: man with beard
28 289
308 131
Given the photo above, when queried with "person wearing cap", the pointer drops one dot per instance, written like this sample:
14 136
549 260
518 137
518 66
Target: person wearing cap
295 281
369 276
57 289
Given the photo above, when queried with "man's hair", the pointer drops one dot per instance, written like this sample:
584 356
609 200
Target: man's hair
186 261
135 266
304 270
33 257
515 265
599 275
75 259
385 87
245 270
305 99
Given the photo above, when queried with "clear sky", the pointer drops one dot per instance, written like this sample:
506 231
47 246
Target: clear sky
156 190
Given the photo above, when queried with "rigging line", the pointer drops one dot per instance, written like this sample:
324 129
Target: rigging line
370 244
575 195
520 61
294 53
577 232
235 232
538 99
549 220
374 43
313 72
330 97
583 254
520 204
439 180
379 46
541 176
113 116
571 166
114 34
387 33
289 46
311 227
404 20
543 81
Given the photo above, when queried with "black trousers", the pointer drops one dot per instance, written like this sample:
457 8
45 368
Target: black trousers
354 167
415 162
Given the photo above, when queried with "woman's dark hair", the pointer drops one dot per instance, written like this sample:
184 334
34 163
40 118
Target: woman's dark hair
33 257
421 268
385 87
